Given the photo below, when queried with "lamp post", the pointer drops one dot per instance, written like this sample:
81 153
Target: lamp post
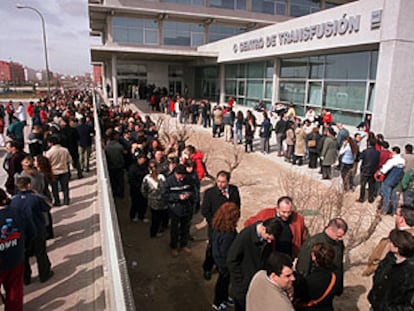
20 6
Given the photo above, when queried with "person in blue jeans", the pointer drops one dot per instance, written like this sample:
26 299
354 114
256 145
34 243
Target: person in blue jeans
394 170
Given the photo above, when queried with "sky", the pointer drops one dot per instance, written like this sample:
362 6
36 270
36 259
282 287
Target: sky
67 35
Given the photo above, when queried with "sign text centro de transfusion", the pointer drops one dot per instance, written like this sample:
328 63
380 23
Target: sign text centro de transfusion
329 29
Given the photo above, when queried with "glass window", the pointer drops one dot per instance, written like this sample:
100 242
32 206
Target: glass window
269 70
217 32
241 71
241 5
316 67
329 4
347 117
300 110
293 68
255 70
345 95
175 71
371 97
230 87
186 2
228 4
292 92
304 7
255 89
373 65
269 6
268 89
347 66
210 72
241 89
128 69
134 31
315 94
230 71
183 34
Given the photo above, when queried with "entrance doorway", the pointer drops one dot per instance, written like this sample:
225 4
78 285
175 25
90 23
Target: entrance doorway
175 87
132 88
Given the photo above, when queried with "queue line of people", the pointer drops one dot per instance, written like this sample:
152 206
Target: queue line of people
36 174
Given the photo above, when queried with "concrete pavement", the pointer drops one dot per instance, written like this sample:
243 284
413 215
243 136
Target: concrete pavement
75 252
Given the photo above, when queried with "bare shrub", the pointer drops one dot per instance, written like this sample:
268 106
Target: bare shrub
313 199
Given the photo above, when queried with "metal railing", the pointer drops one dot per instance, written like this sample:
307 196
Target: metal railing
118 293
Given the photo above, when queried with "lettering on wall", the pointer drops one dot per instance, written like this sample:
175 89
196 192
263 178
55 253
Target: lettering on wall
337 27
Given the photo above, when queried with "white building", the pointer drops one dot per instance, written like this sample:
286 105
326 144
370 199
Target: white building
352 59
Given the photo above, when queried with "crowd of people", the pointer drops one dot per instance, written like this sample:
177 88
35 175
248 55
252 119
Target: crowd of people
38 169
272 262
314 139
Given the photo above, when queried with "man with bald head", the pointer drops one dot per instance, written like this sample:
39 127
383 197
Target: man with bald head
294 232
331 235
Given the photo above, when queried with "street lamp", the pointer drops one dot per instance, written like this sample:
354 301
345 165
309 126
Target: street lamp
20 6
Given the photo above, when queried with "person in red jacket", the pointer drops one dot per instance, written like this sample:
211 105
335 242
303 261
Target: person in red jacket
30 111
326 116
195 156
294 231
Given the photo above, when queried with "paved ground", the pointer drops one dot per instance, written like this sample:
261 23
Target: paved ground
75 253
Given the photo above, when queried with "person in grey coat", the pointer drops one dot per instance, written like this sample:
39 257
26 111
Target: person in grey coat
329 153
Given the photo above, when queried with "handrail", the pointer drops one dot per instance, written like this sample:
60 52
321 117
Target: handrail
118 291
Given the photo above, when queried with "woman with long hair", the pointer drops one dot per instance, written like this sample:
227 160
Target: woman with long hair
224 226
43 165
349 152
317 290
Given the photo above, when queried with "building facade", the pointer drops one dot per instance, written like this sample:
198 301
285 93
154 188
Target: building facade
352 59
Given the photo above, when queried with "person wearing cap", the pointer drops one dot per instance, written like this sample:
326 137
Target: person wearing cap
179 193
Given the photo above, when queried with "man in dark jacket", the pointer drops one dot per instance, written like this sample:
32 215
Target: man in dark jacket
280 130
369 164
16 233
136 174
35 208
332 235
15 165
248 254
85 132
178 191
115 159
214 197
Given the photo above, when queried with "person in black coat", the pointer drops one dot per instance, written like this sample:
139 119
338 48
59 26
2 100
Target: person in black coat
313 151
136 173
214 197
393 282
317 290
35 208
224 232
178 191
248 254
369 164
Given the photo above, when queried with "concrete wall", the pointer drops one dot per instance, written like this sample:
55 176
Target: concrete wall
231 49
157 73
394 93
